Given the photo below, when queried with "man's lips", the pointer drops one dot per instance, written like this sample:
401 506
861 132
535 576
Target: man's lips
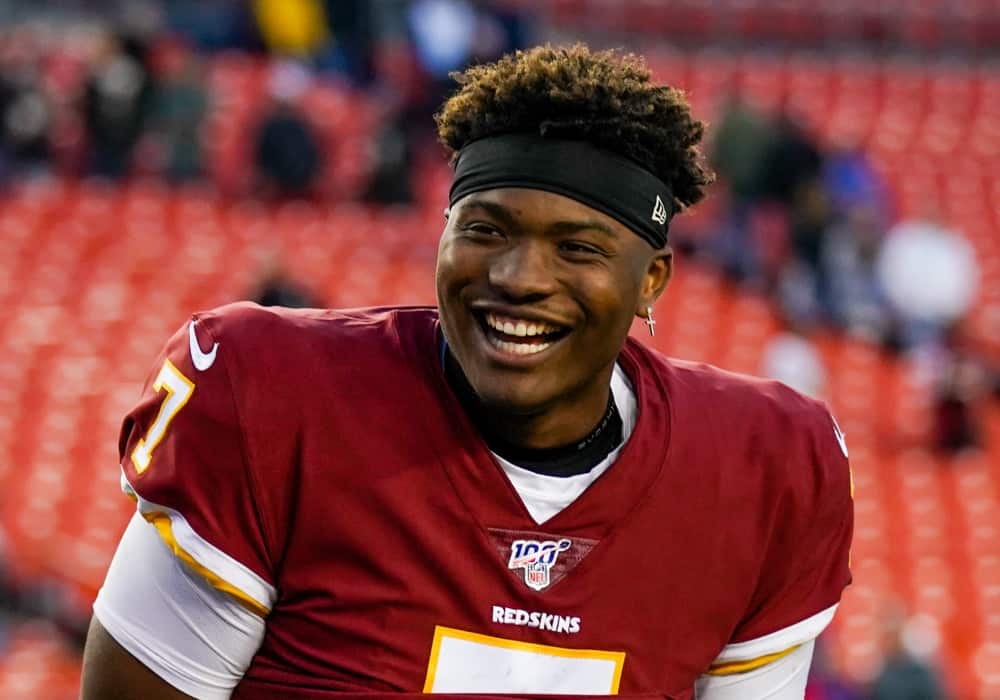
520 338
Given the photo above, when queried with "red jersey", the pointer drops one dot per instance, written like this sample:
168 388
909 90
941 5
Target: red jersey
324 454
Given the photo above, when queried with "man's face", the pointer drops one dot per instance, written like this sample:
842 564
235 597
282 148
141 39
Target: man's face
537 293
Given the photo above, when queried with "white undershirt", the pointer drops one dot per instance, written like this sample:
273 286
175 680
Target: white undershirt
544 496
201 641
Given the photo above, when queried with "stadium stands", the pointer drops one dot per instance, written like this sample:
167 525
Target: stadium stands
94 278
927 24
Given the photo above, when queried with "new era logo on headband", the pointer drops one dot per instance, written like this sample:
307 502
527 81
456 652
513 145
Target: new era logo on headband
659 211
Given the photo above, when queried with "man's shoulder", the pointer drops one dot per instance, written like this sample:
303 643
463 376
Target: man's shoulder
771 431
292 340
250 323
728 394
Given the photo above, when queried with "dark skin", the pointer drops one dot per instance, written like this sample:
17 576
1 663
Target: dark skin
111 673
521 254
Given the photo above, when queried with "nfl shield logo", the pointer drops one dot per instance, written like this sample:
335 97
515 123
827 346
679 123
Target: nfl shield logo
536 558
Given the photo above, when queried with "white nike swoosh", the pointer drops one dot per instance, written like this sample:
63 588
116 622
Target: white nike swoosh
838 433
201 360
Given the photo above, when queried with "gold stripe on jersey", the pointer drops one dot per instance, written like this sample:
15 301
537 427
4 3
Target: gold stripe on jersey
731 667
161 521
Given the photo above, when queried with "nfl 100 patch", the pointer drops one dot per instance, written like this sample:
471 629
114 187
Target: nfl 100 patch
537 559
540 559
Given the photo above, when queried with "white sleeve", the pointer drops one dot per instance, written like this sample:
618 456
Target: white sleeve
193 636
784 679
772 667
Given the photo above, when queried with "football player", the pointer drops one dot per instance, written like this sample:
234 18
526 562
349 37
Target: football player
503 495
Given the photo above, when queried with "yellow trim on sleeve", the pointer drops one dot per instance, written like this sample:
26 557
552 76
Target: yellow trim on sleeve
731 667
161 521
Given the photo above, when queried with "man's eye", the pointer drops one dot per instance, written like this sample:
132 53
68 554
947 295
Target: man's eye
580 248
483 229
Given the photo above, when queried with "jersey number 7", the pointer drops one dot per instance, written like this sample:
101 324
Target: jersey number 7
179 390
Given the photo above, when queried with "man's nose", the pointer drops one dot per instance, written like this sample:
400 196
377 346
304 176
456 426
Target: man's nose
523 270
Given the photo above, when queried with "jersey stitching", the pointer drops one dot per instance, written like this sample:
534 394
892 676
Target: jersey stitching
245 455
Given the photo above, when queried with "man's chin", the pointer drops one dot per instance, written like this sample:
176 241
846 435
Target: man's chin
506 397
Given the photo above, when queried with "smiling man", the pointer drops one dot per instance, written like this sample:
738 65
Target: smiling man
505 495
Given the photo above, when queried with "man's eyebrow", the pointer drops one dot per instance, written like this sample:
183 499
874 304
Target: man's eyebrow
583 225
492 208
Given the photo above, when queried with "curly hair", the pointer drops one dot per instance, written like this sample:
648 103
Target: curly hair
604 98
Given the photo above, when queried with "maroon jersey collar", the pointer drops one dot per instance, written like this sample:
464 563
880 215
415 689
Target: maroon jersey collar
480 483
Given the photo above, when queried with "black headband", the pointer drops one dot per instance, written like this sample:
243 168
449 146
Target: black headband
609 183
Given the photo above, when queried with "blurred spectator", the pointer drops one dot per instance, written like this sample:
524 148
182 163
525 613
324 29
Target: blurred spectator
810 218
961 381
737 153
929 274
351 50
213 26
907 672
276 288
294 28
286 149
792 358
803 287
856 300
391 164
117 103
738 146
824 681
791 161
852 182
179 112
444 34
6 594
448 35
26 120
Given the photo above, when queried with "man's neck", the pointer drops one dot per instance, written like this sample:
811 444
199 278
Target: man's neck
547 442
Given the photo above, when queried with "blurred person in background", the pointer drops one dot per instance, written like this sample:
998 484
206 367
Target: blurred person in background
790 189
961 381
179 112
287 151
276 287
736 152
351 52
296 29
117 102
26 117
8 594
391 158
908 671
853 183
930 275
215 25
792 161
792 358
448 35
804 285
856 301
825 682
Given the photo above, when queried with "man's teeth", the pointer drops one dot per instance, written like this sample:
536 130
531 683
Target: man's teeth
519 348
519 327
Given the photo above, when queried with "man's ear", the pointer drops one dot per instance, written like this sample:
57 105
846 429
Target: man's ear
655 279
